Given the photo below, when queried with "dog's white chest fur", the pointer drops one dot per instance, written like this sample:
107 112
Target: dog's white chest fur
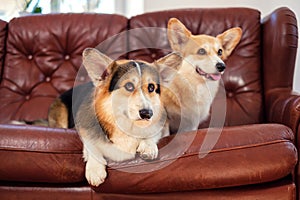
194 95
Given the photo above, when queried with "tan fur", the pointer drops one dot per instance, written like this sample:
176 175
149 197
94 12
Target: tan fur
58 114
116 136
189 96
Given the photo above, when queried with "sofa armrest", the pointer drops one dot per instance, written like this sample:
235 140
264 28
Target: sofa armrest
40 155
283 106
280 42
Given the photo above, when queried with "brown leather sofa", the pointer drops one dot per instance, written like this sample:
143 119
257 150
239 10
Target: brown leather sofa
255 156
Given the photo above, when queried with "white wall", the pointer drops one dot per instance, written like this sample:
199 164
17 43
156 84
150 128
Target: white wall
265 8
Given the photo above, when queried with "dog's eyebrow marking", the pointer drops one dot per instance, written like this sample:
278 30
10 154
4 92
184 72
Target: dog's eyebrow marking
138 67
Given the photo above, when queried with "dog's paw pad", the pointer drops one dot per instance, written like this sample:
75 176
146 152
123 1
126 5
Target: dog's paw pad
148 151
95 175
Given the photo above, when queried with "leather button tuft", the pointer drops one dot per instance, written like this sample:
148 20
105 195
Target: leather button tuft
27 97
30 57
67 57
230 94
48 79
153 55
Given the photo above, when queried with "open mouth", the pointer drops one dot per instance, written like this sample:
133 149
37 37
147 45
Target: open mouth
212 76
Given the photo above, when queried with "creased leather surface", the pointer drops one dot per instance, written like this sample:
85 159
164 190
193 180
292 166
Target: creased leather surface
283 106
282 189
29 191
39 154
46 155
44 56
277 190
280 42
239 151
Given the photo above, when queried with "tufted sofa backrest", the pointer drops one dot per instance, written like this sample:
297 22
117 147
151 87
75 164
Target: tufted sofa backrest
242 77
43 56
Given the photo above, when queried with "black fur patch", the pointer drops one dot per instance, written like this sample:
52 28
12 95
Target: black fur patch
118 74
158 89
73 98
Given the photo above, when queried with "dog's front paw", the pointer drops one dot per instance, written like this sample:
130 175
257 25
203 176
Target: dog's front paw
147 150
95 173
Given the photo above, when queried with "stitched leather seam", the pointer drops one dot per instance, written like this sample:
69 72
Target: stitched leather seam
247 146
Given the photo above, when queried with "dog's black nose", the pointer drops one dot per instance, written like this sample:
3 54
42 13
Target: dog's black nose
146 113
220 66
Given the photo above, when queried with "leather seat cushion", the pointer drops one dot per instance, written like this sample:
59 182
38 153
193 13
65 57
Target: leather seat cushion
249 154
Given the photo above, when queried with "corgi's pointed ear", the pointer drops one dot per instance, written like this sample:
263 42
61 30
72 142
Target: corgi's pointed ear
96 64
229 39
168 66
178 34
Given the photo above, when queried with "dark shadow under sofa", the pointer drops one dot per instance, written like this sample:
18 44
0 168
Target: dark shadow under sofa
255 156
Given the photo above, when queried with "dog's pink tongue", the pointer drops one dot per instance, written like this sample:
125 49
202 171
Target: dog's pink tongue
215 77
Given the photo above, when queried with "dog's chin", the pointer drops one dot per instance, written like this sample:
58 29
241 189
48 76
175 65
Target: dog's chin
142 123
209 76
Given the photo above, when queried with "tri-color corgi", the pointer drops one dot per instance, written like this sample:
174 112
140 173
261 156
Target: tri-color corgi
119 113
189 96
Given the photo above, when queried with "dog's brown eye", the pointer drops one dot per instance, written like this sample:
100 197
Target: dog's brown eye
129 86
151 87
202 51
220 51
